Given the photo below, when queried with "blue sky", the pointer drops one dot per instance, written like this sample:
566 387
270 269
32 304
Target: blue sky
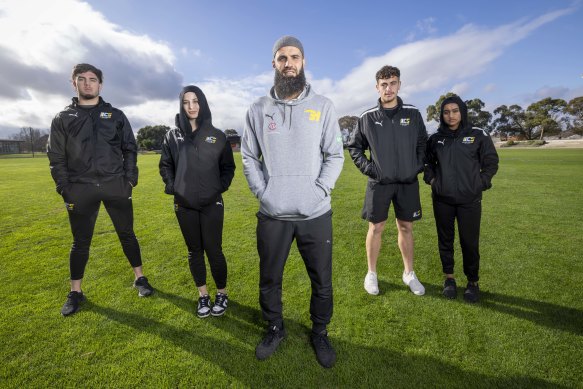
503 52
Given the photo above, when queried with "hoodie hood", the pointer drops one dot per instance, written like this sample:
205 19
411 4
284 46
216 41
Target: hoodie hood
455 99
204 113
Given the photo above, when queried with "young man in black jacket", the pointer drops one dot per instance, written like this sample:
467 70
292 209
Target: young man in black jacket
461 161
92 153
395 134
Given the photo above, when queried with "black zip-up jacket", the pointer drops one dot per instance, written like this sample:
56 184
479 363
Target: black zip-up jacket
91 146
196 166
397 145
461 163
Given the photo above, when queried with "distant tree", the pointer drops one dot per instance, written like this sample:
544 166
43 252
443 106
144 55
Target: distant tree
478 117
34 139
231 132
575 111
545 116
348 123
151 137
512 120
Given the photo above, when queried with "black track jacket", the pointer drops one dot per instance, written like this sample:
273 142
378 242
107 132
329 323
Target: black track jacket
397 145
196 166
91 145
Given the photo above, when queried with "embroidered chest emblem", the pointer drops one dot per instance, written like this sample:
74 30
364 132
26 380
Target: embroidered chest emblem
105 115
405 121
314 115
468 140
211 139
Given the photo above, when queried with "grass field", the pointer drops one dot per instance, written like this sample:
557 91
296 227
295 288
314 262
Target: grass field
526 332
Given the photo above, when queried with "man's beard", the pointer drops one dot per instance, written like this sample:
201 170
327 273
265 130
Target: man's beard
286 87
87 96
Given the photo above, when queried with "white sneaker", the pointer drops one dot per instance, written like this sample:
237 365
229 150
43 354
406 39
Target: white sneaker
371 284
410 279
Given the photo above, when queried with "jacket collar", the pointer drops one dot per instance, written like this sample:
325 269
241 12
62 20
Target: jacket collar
399 104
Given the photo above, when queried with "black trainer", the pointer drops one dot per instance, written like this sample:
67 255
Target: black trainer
325 353
220 305
72 304
270 342
204 306
450 288
472 293
143 286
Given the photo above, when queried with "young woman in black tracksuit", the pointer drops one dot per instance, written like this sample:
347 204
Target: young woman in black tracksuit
197 166
460 163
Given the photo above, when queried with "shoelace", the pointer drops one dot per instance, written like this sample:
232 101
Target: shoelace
271 334
205 302
220 299
322 342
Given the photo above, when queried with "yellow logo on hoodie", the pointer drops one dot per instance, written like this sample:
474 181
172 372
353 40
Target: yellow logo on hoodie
314 115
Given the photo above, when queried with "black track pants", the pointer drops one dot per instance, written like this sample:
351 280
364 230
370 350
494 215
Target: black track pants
314 241
203 233
468 221
83 202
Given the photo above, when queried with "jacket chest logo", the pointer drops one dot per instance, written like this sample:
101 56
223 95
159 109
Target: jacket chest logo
405 121
468 140
105 115
211 139
314 115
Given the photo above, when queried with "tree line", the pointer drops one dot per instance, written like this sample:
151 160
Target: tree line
546 117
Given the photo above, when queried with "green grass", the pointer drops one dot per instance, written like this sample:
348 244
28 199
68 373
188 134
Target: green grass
526 332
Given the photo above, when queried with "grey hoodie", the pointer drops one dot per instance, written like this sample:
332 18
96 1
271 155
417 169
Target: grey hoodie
292 154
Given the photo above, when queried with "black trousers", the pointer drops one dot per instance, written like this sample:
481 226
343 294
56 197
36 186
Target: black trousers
314 241
203 233
468 221
83 202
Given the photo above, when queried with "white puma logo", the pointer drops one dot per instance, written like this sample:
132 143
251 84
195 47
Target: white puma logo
379 123
442 142
73 114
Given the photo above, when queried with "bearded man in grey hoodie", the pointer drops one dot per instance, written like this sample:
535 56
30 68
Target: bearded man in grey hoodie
292 156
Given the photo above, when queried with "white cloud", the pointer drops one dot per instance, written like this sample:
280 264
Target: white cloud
427 65
461 88
490 88
422 27
186 52
38 50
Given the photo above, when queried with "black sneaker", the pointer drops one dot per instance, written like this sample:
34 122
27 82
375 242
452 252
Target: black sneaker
143 286
270 342
472 293
449 288
204 306
220 305
325 353
72 304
